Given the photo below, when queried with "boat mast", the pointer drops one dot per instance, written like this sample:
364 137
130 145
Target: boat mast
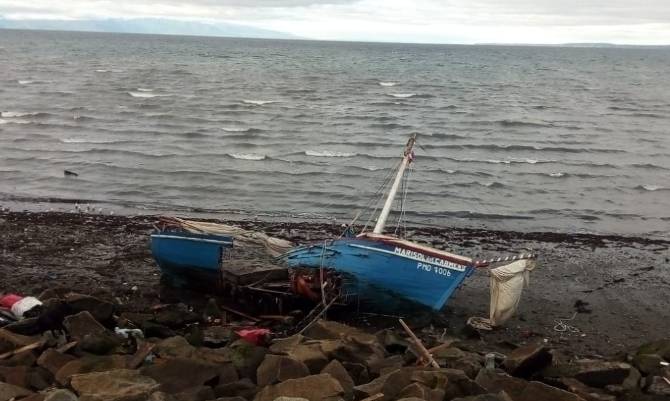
406 160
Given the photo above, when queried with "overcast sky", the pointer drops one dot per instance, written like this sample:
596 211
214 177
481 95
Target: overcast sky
431 21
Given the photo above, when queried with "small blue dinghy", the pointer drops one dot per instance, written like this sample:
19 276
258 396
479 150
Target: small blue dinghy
182 254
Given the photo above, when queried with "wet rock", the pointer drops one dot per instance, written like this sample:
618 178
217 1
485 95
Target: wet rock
658 347
21 359
244 388
386 365
657 385
152 329
495 381
648 364
527 360
40 379
198 393
99 309
321 387
34 397
89 364
246 357
358 372
459 384
330 330
175 347
81 324
536 391
278 368
584 391
486 397
100 343
237 398
161 396
392 341
284 345
60 395
418 390
175 316
16 375
113 385
455 358
310 354
227 373
53 360
596 373
335 369
10 391
179 374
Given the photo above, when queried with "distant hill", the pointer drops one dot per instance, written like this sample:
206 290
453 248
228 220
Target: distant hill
147 25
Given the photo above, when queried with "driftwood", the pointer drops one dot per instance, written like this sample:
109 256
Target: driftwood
25 348
419 345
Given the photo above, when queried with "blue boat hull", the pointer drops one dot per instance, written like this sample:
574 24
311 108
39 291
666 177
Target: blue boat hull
183 255
383 270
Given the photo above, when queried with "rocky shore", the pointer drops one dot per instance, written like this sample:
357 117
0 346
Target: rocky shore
590 327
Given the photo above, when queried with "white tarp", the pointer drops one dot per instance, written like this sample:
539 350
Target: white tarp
507 283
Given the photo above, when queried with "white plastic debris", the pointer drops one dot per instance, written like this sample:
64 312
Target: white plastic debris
24 305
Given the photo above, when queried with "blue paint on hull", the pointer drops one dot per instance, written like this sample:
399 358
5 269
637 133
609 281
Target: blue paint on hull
181 254
382 267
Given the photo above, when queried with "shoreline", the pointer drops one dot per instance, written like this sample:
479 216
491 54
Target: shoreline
620 282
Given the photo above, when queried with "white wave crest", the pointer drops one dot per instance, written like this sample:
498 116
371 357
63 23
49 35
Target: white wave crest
556 174
101 70
328 153
246 156
373 168
651 187
144 94
25 81
403 95
14 121
145 90
14 114
235 129
258 102
388 83
3 121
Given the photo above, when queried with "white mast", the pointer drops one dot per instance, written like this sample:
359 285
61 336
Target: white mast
406 160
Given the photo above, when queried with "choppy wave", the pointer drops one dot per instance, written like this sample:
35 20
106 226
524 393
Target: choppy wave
258 102
402 95
25 81
388 83
236 129
648 187
15 114
247 156
328 153
147 95
557 174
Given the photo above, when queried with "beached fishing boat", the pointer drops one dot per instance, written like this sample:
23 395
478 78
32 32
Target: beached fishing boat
383 267
183 254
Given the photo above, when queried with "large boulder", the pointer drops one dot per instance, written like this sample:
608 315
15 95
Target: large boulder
175 347
279 368
597 373
335 369
100 343
587 393
536 391
527 360
197 393
53 360
244 388
648 364
16 375
321 387
9 392
658 347
99 309
81 324
179 374
89 364
455 358
311 354
495 381
246 357
502 396
113 385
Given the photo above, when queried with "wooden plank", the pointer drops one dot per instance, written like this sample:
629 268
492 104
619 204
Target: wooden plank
419 345
25 348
